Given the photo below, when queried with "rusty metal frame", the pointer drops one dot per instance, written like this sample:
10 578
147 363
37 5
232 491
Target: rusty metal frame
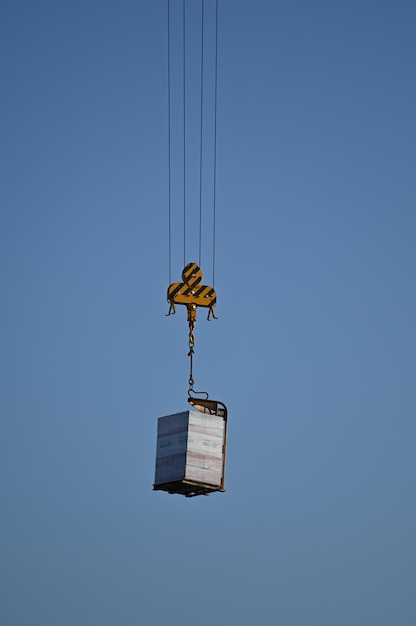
214 407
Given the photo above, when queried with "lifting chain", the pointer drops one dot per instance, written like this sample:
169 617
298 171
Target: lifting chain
191 344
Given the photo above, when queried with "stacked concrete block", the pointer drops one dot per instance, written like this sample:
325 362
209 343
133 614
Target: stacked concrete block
190 448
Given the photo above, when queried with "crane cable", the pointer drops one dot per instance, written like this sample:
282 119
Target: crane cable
215 146
169 161
191 341
200 137
184 112
184 129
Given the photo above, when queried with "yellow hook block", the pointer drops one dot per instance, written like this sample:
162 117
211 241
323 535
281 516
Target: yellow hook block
192 293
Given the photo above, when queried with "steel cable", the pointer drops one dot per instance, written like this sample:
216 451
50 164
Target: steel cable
201 126
184 132
169 160
215 147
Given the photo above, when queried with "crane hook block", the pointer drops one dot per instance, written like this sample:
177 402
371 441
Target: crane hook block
192 293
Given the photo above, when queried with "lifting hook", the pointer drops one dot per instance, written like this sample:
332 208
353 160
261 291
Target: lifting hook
192 294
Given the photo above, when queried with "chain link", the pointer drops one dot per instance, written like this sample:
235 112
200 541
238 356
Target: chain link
191 344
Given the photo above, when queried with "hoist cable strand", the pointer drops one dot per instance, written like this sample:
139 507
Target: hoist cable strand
215 146
184 136
169 159
200 140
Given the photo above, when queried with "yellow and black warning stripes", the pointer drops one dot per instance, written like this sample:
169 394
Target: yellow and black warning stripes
191 292
192 275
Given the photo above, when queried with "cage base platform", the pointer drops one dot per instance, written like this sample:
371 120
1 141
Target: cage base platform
187 488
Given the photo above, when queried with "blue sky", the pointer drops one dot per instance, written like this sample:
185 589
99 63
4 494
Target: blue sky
313 350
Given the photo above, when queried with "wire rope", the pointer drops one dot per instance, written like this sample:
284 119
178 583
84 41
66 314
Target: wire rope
201 126
215 147
184 132
169 161
201 138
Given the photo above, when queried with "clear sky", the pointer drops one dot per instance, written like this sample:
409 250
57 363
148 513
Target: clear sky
313 350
